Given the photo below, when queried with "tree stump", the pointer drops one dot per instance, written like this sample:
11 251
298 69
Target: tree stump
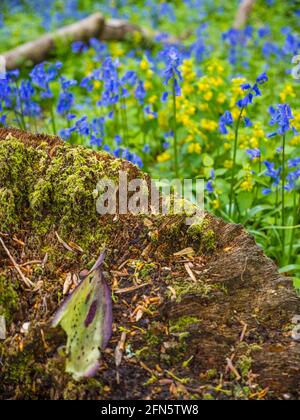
198 313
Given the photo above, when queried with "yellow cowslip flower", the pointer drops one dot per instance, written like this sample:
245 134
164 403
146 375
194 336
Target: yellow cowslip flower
215 81
221 98
194 148
144 64
187 89
149 74
153 99
203 85
227 146
209 125
189 138
208 96
216 204
254 142
215 66
236 86
295 141
163 120
258 131
164 157
236 113
117 50
288 92
247 185
228 164
148 85
97 84
203 107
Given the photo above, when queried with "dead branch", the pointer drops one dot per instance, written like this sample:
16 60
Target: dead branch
243 14
95 26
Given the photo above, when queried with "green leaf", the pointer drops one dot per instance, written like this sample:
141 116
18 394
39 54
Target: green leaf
86 317
207 161
245 201
290 268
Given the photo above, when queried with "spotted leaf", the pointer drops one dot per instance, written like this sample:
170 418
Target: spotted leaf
86 317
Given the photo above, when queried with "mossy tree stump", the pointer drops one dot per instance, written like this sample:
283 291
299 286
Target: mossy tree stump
224 331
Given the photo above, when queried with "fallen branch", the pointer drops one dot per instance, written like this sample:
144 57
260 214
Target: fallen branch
243 14
95 26
17 267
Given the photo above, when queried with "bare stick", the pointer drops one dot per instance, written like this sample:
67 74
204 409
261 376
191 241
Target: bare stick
94 26
17 267
243 13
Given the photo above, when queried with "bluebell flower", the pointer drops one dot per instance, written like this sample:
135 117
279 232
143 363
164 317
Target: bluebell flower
280 117
254 153
252 91
272 172
79 47
248 122
225 120
173 60
140 92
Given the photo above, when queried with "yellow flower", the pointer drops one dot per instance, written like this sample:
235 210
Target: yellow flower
227 146
203 107
164 157
228 164
97 84
295 141
208 125
163 120
148 85
221 98
149 74
194 148
144 64
187 89
236 86
216 204
208 96
287 92
117 50
254 142
153 99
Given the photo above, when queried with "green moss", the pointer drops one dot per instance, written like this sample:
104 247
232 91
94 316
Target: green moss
53 192
9 302
184 287
183 323
203 234
244 364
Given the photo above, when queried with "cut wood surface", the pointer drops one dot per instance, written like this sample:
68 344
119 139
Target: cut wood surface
94 26
223 329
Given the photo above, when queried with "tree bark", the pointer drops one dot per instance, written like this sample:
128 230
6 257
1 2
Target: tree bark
206 314
243 14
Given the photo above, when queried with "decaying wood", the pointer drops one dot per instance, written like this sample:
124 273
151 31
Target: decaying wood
242 334
95 26
243 13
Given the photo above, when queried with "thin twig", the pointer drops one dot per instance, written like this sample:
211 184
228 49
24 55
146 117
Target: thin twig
17 267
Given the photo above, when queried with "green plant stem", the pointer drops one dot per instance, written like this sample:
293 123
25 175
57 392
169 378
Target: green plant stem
283 193
295 215
53 120
175 131
236 137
